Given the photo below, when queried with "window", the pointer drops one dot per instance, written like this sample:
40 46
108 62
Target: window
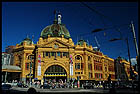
90 66
29 57
94 67
105 75
47 53
82 66
27 66
65 54
77 65
56 69
101 68
112 76
105 69
89 58
43 54
52 53
78 57
96 75
90 75
61 55
58 53
77 72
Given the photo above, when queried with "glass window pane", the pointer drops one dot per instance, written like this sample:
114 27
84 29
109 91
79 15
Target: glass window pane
61 55
52 53
58 53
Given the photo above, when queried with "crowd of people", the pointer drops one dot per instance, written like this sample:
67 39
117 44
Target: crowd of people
52 83
56 84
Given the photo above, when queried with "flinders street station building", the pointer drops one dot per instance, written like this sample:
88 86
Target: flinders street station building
56 57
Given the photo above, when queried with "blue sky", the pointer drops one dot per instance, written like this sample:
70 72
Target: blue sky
20 19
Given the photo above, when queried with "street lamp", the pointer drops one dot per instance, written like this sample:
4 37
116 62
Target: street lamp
126 39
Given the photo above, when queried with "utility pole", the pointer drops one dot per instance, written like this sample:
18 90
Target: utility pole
129 57
134 36
30 70
136 46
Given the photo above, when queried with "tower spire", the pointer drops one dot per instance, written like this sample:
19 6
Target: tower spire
59 18
55 20
27 36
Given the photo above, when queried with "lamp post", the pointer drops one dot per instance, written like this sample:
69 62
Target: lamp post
30 70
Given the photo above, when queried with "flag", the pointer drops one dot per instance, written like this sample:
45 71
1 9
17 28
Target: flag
39 65
39 59
71 62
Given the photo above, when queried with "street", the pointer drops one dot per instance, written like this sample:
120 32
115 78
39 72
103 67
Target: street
17 90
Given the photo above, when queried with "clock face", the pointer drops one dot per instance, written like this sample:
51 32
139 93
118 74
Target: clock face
55 46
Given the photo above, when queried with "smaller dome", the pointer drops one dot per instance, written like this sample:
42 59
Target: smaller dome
81 42
28 41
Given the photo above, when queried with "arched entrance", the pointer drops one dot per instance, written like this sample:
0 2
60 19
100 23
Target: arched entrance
56 72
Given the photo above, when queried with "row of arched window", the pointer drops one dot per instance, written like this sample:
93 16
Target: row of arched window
55 54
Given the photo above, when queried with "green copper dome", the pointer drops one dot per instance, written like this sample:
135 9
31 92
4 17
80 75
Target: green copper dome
80 42
55 30
28 41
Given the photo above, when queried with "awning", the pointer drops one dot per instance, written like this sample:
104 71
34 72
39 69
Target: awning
10 68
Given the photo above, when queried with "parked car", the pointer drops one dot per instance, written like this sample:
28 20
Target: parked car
6 86
46 86
88 85
22 85
14 84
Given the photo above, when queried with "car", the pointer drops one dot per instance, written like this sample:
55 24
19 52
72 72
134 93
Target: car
88 85
14 84
6 86
46 86
22 85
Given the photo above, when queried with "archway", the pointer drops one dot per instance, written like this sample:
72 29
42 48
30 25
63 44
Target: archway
55 72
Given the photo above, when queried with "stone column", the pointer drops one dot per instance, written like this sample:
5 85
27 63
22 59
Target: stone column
23 77
5 77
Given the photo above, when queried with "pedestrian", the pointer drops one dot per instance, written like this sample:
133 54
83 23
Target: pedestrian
35 84
112 90
109 80
103 84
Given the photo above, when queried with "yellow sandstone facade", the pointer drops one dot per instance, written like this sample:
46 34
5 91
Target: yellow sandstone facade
54 49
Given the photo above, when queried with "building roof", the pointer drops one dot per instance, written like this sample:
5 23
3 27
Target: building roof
81 42
28 40
55 30
11 67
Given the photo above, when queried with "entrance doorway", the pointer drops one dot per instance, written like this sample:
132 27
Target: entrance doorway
55 72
